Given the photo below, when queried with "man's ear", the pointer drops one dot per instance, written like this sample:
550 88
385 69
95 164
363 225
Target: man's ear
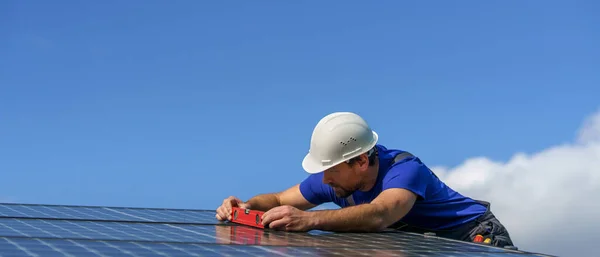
363 161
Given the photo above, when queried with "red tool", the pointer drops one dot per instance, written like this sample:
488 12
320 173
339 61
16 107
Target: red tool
247 217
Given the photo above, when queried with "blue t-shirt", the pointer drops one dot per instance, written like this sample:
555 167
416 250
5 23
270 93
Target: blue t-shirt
437 206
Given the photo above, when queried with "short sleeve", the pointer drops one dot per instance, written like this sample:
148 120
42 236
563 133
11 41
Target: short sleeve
313 189
411 175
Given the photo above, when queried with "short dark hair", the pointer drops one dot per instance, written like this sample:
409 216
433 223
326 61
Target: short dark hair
371 154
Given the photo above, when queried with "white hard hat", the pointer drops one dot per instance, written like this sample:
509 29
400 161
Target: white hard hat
338 137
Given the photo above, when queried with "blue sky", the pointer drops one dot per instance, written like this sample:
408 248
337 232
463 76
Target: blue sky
181 104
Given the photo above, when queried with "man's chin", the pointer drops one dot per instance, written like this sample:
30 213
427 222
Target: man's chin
342 194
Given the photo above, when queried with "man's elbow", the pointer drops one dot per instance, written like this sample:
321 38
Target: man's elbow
386 217
380 221
379 224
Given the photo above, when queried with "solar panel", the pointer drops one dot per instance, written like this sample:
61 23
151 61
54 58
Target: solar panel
32 247
50 230
107 213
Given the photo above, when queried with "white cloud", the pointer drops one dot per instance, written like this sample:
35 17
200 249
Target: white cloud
549 200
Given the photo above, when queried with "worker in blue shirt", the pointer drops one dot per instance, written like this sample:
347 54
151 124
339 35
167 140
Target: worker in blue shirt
377 188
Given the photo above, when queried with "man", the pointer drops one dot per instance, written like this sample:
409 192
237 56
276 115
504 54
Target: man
377 188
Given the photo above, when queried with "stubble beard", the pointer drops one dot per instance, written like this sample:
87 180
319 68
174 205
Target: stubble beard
342 193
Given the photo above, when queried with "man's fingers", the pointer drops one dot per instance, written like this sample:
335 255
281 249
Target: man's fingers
224 213
220 214
279 224
272 215
228 204
232 200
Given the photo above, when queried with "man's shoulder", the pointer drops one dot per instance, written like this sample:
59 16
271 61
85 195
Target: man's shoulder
387 152
402 164
393 156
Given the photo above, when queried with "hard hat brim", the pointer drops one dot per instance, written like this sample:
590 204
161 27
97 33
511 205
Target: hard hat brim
312 165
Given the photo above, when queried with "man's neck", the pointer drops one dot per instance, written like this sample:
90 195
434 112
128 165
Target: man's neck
371 178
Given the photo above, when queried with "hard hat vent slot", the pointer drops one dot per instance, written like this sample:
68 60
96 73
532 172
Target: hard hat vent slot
346 143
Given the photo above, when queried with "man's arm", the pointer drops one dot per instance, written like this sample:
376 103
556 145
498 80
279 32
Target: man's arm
290 196
294 196
389 207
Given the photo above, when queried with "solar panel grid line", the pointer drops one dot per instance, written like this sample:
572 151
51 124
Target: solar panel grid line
102 247
91 231
203 217
34 247
95 211
122 250
19 247
225 250
147 234
150 249
4 233
19 211
13 210
36 228
175 231
156 215
75 242
175 247
59 213
192 231
66 230
72 251
125 230
278 253
149 214
94 228
56 249
127 214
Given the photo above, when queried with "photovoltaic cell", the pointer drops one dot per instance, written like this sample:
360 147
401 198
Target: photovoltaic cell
38 230
107 213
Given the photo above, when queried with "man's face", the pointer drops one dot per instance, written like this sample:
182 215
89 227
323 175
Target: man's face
345 178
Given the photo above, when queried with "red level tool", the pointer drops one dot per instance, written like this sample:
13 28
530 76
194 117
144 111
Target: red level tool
247 217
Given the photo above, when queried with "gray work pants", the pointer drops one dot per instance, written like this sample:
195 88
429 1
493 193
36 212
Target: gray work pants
486 225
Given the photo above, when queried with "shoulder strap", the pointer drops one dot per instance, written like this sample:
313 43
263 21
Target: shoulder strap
402 156
398 158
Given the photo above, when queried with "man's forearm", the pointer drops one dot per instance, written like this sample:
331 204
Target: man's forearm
264 202
359 218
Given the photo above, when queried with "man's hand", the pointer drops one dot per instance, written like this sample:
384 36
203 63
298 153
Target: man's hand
224 211
287 218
